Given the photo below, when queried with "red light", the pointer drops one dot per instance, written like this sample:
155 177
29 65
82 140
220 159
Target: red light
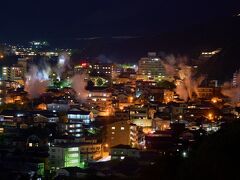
83 63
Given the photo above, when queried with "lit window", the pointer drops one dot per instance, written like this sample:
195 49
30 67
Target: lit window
73 161
30 144
122 128
73 149
73 155
113 127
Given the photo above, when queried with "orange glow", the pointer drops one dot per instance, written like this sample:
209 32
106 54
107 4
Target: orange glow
130 99
17 98
210 116
168 96
216 100
42 107
9 100
147 130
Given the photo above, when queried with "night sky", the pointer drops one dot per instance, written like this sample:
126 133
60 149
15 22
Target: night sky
98 18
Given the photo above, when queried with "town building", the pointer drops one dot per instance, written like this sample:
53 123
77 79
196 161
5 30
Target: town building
151 67
102 69
61 156
121 132
120 152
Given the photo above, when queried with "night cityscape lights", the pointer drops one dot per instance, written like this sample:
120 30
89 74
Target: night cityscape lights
119 90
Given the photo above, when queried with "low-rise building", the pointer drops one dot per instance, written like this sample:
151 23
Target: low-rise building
121 132
61 156
90 151
60 106
121 152
205 92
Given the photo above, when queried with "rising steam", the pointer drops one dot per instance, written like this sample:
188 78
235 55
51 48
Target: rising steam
232 91
37 81
186 84
63 63
79 85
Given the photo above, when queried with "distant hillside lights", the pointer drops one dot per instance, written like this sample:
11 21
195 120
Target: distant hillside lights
209 54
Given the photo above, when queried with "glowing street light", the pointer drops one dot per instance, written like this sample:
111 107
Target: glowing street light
210 116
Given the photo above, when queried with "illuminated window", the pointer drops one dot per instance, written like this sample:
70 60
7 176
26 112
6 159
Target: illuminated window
74 155
30 144
113 127
73 149
122 128
74 161
113 132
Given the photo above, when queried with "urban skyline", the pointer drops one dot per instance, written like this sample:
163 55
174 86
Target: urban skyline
119 90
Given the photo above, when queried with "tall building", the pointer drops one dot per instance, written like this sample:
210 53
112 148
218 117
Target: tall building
23 62
15 72
151 67
236 79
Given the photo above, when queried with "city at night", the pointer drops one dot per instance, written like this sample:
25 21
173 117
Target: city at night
110 89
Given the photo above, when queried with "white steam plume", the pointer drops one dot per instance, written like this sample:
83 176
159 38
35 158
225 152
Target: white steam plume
63 63
232 92
37 81
187 83
79 85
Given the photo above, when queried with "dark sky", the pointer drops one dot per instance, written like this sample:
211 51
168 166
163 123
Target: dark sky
21 19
